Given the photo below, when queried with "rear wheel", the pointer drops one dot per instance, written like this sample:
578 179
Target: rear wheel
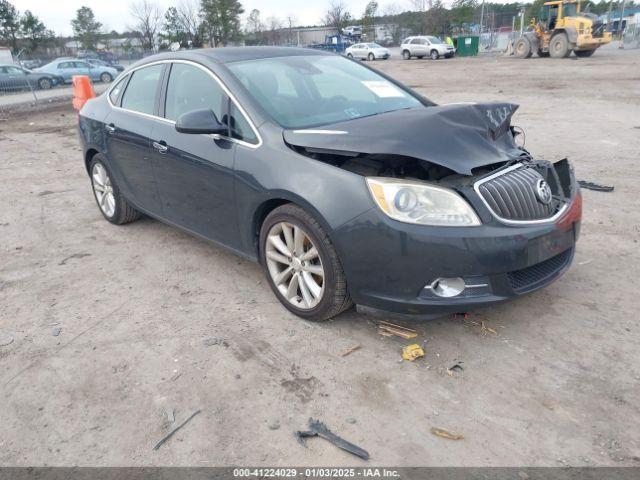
106 77
111 203
301 265
523 48
406 55
559 46
44 84
584 53
371 57
434 55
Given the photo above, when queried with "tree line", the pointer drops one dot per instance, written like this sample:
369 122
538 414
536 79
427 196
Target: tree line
193 23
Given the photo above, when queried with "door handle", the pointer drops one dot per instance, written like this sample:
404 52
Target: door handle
161 146
111 128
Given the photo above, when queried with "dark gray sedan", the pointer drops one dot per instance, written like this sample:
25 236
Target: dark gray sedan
347 186
13 77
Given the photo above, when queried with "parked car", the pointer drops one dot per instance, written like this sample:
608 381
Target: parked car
96 62
13 77
352 30
65 68
367 51
30 64
425 46
347 186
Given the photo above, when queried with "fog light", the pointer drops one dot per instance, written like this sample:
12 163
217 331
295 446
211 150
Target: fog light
448 287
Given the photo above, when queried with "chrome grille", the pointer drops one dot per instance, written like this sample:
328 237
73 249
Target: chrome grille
511 195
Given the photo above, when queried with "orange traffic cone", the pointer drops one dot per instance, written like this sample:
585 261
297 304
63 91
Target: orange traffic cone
82 91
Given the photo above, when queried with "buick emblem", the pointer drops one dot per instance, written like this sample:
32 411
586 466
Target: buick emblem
543 192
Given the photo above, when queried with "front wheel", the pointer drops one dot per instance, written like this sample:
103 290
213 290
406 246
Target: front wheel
584 53
434 55
371 57
522 48
349 56
113 206
406 55
106 77
302 265
44 84
559 46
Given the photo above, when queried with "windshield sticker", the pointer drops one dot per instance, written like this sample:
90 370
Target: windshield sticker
383 89
352 112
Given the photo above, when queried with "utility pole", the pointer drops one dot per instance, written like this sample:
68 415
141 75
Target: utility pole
620 30
482 17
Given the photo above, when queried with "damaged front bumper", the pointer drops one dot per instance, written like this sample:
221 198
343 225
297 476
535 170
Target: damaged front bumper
392 266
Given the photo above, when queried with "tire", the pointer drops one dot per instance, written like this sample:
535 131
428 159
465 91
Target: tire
123 212
406 55
106 77
44 84
522 49
584 53
349 56
371 57
334 296
559 46
434 55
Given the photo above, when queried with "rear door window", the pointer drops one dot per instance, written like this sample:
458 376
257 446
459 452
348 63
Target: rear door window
115 91
140 95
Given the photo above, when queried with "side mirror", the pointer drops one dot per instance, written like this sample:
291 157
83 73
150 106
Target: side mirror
201 121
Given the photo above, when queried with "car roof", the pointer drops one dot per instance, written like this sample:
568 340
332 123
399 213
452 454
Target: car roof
235 54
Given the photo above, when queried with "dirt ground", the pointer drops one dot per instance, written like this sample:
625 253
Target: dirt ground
150 320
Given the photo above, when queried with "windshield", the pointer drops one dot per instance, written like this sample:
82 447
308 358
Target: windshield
434 40
305 91
569 10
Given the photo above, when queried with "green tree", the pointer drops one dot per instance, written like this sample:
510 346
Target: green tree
368 19
172 28
34 30
221 20
86 28
9 24
462 11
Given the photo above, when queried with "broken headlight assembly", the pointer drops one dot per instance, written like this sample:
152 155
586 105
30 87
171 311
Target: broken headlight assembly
420 203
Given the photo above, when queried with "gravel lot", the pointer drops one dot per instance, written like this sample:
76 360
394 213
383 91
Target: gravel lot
151 320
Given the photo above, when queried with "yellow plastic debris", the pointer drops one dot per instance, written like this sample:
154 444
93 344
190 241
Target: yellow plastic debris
440 432
411 352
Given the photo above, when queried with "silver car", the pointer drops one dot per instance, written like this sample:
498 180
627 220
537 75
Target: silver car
425 46
367 51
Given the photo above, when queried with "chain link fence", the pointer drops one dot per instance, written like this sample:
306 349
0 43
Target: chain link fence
496 41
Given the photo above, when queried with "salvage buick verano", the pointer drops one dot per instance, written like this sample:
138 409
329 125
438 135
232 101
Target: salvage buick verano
347 186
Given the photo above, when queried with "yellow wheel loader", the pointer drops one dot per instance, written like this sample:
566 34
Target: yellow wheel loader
560 29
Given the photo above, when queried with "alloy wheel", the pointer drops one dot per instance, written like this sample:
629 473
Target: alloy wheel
294 265
103 190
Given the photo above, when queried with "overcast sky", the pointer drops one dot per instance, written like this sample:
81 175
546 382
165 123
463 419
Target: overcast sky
114 14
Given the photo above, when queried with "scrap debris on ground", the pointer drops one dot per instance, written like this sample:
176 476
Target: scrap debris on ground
411 352
439 432
389 329
594 186
455 368
319 429
350 350
172 432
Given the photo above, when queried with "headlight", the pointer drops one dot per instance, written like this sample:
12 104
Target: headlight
420 203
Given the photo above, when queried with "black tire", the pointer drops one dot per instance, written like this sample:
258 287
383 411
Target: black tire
406 55
349 56
336 297
44 84
434 55
559 46
124 212
522 48
584 53
371 57
106 77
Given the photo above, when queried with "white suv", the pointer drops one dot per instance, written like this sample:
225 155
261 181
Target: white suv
425 46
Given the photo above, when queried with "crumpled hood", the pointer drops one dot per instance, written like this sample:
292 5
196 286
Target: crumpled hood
460 137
